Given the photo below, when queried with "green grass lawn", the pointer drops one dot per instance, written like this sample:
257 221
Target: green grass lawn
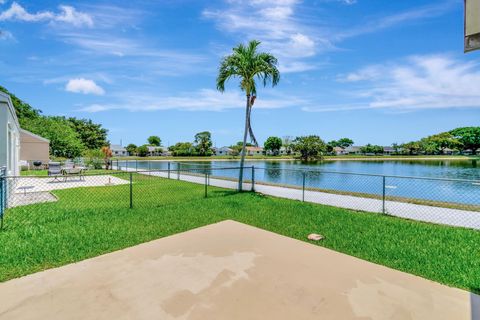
87 222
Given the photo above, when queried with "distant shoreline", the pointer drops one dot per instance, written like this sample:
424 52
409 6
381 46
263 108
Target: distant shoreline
328 158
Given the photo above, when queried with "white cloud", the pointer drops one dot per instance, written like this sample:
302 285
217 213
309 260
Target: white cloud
388 21
421 82
67 15
201 100
275 23
17 12
70 15
84 86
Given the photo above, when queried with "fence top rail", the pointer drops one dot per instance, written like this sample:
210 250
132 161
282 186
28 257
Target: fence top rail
304 170
121 172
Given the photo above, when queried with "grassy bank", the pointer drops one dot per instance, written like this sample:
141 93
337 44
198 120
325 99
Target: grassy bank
88 222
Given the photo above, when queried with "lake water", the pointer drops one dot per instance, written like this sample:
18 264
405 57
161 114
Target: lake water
352 176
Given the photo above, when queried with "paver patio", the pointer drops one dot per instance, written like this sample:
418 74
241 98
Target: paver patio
230 270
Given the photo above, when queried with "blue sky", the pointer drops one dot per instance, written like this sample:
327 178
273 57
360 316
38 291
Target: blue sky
373 70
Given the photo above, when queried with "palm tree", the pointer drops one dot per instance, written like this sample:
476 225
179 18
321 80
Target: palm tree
247 64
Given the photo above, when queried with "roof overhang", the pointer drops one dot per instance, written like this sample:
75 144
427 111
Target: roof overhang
5 98
31 134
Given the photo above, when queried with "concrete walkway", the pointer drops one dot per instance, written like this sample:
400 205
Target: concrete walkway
447 216
232 271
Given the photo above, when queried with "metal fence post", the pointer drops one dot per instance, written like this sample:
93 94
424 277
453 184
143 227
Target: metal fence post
131 190
253 178
126 164
206 185
383 194
2 197
178 170
136 164
168 169
303 185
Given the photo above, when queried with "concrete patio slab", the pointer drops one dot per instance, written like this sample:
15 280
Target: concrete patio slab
30 190
230 270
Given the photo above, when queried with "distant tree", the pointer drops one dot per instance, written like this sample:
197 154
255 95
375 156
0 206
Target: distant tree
92 135
411 148
396 148
155 141
287 144
439 142
142 151
310 147
330 145
131 149
341 143
344 143
369 148
203 143
469 137
273 144
183 149
94 158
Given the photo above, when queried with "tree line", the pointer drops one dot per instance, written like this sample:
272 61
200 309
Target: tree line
69 137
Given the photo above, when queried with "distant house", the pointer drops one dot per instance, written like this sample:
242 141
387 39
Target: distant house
118 150
339 151
155 151
388 150
223 151
448 151
353 150
283 151
254 151
33 148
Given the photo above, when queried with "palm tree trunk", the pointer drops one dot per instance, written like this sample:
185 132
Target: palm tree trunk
245 134
250 130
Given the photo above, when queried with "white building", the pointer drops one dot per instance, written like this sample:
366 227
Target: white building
118 150
155 151
9 136
254 151
223 151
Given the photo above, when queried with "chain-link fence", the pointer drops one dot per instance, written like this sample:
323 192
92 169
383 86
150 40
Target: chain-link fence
3 193
143 184
116 189
446 201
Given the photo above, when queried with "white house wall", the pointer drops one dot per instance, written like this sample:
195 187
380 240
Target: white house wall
9 137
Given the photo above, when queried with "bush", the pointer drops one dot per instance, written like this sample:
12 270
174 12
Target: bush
94 159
